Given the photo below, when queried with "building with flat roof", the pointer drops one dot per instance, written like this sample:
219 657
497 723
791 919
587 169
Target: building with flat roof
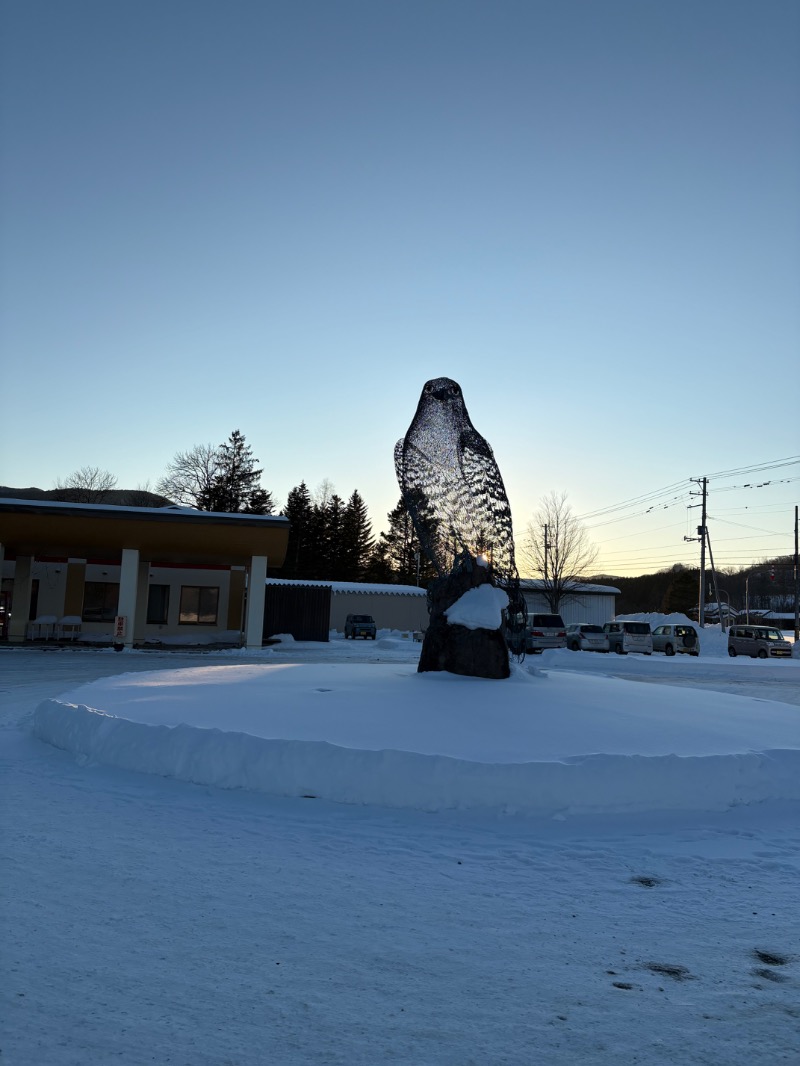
129 574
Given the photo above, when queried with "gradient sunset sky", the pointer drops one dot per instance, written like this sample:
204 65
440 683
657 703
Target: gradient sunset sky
286 217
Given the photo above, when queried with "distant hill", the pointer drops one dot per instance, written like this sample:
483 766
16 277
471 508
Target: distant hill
116 497
768 585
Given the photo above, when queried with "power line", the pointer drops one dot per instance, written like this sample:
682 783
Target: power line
655 494
741 525
759 485
634 501
774 464
639 514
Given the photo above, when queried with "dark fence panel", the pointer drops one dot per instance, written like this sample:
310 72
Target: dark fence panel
302 610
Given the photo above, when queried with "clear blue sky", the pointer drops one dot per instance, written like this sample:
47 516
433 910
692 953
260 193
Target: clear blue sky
285 217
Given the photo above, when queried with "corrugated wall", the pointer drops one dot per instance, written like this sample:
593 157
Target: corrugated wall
404 612
589 607
302 610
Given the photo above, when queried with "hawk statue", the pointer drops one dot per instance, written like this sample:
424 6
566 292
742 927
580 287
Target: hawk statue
451 484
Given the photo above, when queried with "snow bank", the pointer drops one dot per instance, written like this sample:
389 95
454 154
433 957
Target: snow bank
594 784
377 734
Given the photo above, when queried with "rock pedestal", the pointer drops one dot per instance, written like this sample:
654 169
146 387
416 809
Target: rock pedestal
470 652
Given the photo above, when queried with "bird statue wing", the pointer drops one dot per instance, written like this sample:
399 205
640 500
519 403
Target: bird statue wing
490 513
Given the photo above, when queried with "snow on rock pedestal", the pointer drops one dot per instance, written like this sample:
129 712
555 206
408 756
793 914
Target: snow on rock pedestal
479 608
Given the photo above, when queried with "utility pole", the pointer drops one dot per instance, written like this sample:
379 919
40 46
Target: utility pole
701 616
546 549
716 583
796 584
701 536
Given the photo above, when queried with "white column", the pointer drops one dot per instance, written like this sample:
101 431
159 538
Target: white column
256 589
142 589
128 587
20 599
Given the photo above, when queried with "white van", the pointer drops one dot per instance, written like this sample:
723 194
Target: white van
624 637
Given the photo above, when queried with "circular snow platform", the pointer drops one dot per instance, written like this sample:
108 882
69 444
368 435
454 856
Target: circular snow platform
544 744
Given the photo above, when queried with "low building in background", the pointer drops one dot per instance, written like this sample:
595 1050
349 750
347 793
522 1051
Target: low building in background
586 603
398 608
135 575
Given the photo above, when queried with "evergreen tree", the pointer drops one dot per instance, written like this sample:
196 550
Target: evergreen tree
236 487
315 556
299 511
379 568
682 593
330 519
401 546
356 539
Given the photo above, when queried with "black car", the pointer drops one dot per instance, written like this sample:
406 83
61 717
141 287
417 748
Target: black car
360 625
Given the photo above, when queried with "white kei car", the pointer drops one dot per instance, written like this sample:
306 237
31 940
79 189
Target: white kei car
584 636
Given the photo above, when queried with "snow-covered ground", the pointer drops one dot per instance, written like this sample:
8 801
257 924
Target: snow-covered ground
594 861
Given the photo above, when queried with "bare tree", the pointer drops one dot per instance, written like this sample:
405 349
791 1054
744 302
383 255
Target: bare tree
557 549
191 477
323 493
90 484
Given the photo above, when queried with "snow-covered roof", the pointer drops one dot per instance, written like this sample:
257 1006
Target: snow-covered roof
89 531
113 509
526 584
352 586
532 584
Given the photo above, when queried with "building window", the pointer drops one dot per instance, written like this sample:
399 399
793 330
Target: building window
100 599
199 605
157 605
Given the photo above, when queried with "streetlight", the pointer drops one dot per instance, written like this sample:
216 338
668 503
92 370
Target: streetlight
747 597
722 592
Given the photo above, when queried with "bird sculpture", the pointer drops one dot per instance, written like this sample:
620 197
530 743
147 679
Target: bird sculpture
451 485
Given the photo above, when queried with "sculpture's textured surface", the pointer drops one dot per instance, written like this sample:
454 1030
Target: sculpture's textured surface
455 495
452 486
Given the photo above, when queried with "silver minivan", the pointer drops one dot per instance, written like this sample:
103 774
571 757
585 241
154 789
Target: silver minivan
624 637
671 639
545 631
759 642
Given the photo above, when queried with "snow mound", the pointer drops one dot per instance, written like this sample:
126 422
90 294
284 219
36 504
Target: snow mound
551 744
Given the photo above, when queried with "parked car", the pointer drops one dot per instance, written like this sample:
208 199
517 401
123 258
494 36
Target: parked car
545 631
585 636
672 639
360 625
624 637
762 642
